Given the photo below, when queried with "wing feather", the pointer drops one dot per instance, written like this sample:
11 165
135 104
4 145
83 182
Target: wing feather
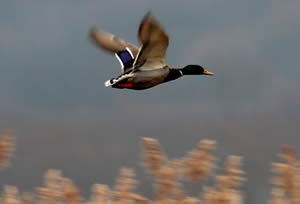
110 43
154 42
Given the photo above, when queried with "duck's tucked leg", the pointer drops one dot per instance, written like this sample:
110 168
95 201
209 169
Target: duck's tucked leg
123 85
126 59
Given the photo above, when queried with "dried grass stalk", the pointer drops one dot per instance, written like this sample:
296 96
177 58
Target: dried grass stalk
225 191
153 157
199 163
10 195
287 178
138 199
190 200
166 182
71 193
124 188
52 192
100 194
27 198
7 146
278 197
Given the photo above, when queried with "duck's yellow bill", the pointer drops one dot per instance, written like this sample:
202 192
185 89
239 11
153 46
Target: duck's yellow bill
208 73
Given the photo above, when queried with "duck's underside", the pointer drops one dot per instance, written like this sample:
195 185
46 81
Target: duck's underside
139 80
131 79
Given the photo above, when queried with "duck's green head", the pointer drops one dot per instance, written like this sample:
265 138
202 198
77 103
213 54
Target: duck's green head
195 70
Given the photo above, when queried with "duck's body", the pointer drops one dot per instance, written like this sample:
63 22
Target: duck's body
139 80
143 67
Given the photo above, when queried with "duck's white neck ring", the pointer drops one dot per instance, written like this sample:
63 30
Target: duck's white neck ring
181 72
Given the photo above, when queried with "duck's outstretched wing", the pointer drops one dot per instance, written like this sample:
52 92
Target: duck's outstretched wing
154 42
110 43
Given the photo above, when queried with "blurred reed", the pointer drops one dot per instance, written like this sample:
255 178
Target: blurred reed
168 175
286 179
7 146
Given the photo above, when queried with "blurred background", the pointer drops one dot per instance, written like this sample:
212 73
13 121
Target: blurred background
53 96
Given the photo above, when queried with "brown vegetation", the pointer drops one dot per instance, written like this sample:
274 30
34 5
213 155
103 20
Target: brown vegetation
7 146
167 174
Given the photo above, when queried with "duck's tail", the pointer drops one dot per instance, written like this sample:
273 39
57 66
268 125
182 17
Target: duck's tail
110 82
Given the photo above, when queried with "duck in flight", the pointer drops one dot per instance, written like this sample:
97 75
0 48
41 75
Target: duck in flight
143 67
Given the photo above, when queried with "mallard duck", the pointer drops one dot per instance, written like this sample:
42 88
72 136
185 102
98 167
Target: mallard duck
143 67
